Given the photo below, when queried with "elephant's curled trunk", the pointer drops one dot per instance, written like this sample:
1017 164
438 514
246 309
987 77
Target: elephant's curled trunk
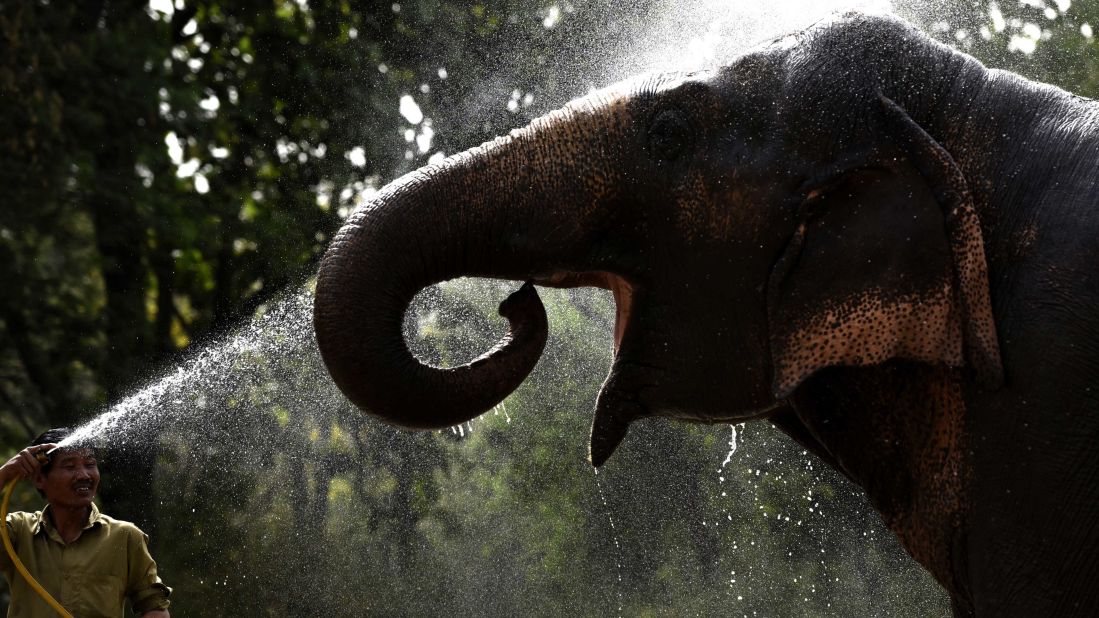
412 236
529 206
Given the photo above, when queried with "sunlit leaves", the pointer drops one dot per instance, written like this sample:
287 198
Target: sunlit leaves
1045 40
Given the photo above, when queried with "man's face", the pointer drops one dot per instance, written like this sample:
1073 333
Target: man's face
72 480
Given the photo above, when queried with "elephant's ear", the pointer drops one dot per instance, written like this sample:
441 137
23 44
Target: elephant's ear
887 262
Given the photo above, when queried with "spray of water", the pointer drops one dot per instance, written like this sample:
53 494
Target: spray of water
189 393
710 31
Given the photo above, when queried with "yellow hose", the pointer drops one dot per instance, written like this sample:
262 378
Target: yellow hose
19 563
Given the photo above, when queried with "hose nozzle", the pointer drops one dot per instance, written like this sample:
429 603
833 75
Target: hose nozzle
45 457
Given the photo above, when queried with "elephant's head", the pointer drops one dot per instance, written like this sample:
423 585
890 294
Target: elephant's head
756 224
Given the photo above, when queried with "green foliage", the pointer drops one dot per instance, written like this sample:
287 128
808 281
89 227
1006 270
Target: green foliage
1052 42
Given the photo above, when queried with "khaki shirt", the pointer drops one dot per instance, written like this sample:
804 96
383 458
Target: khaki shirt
92 576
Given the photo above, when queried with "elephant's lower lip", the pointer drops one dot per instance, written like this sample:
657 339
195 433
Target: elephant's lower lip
623 301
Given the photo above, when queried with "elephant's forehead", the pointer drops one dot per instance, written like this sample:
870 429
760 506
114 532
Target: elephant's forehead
632 95
643 84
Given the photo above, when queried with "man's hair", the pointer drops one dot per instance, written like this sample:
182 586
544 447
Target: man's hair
51 436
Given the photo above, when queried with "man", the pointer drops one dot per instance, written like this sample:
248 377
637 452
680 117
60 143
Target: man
89 562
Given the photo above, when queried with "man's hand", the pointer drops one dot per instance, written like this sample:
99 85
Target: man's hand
156 613
25 464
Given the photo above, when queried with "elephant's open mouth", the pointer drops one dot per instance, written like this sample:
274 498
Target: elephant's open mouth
622 290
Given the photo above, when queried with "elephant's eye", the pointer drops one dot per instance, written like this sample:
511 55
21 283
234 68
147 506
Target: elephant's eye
669 135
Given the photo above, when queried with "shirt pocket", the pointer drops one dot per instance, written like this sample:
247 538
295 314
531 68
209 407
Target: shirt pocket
101 596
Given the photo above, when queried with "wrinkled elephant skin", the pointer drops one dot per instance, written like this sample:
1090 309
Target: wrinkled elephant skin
871 240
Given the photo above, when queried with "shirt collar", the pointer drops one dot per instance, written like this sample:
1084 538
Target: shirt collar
42 521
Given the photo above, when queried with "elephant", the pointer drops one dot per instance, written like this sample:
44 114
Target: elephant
868 238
